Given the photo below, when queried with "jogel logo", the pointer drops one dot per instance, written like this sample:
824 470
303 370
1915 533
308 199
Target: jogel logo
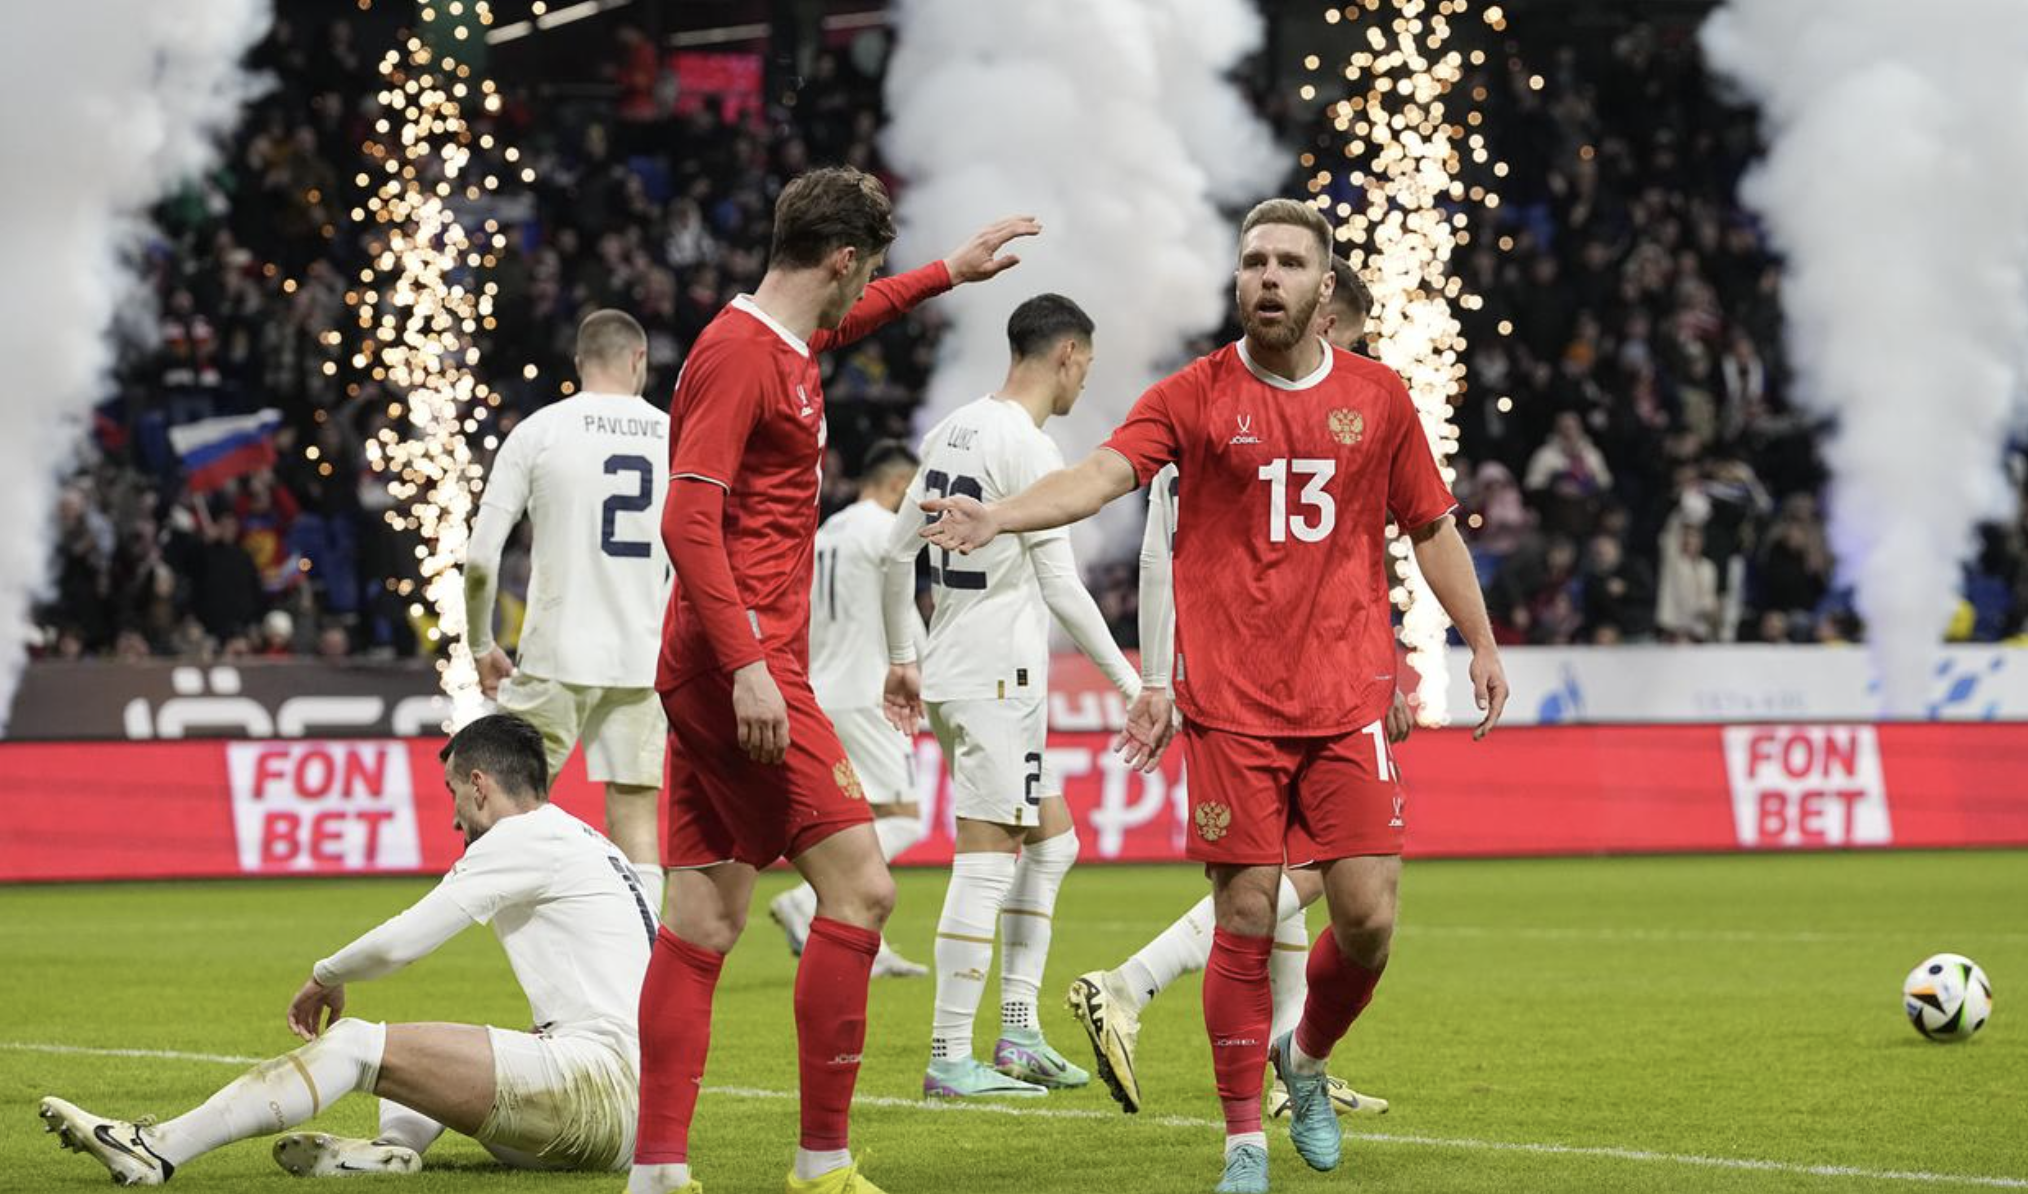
1347 426
1212 821
848 780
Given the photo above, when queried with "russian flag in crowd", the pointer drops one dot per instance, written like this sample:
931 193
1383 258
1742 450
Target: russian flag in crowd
214 451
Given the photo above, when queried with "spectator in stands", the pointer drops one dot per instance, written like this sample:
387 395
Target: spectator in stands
1567 477
1686 605
226 589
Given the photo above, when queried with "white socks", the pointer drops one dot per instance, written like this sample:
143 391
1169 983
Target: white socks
1185 946
1177 950
650 877
1025 922
410 1129
657 1179
1302 1062
811 1166
279 1093
1288 976
1257 1139
964 952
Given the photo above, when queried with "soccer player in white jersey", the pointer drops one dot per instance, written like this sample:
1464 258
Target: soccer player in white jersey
1108 1003
985 678
848 666
591 471
576 928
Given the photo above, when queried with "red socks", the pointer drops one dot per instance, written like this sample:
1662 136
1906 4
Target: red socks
830 1027
1238 1011
675 1036
1339 990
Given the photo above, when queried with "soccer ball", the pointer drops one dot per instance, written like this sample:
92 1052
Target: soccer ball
1947 997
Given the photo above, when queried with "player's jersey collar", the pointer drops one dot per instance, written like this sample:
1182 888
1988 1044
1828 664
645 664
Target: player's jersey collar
1322 371
745 303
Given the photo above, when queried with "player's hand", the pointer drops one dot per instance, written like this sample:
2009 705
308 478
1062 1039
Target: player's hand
901 697
974 261
1400 720
315 1008
1489 689
763 714
1151 723
494 666
963 524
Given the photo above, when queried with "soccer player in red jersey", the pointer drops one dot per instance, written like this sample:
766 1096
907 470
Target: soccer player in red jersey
1293 457
758 772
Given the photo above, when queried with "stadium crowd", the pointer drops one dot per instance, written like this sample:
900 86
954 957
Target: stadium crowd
1633 466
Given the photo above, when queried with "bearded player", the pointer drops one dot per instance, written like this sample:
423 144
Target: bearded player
1108 1003
1294 457
760 773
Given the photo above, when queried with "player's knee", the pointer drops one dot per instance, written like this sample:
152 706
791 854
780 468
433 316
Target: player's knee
716 928
1245 911
876 899
1365 934
363 1042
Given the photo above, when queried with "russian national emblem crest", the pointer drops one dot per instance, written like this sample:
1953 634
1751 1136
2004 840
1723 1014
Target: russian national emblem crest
1347 426
1212 821
848 780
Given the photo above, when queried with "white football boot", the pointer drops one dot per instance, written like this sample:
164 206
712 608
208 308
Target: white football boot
123 1147
314 1154
1104 1009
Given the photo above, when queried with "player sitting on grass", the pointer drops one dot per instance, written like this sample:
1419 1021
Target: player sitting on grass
985 675
1108 1003
567 909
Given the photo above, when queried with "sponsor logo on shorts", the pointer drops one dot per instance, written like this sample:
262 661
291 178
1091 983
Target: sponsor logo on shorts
847 779
1396 822
1212 821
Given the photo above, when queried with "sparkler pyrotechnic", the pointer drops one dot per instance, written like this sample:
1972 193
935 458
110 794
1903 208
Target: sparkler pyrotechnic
1405 144
420 306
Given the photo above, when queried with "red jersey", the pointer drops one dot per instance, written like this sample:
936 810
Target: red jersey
1283 625
748 417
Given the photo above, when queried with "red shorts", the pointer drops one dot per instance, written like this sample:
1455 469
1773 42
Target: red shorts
724 807
1275 801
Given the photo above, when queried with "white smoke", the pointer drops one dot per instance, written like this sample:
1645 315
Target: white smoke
1896 185
104 107
1113 123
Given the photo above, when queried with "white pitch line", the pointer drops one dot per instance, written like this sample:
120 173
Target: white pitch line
160 1054
1658 936
1458 1143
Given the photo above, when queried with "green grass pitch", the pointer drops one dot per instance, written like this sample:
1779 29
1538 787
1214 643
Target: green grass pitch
1710 1024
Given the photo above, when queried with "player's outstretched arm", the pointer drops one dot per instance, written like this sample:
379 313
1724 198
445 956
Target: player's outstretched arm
979 260
393 944
1065 496
889 299
1071 604
1447 564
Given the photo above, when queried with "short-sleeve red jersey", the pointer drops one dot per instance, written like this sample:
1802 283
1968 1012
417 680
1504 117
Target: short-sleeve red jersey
748 416
1283 625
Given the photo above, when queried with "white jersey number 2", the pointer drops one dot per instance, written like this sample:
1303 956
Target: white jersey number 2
1305 527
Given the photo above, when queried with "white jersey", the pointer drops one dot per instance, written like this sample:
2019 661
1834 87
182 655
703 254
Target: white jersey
592 471
567 909
848 642
989 636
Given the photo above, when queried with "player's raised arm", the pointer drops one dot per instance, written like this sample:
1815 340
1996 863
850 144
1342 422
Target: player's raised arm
1065 496
977 260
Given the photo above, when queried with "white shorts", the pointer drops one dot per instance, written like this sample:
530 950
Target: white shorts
882 755
560 1103
624 732
994 750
